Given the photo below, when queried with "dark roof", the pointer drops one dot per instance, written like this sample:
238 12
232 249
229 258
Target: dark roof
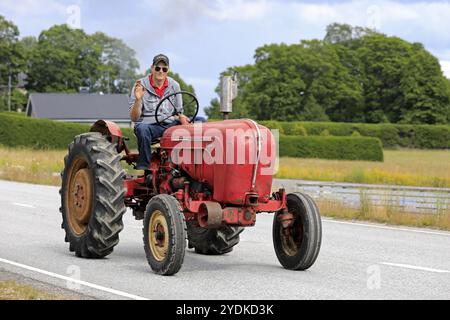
63 106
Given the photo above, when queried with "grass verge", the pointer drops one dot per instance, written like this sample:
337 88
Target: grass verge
12 290
386 215
32 166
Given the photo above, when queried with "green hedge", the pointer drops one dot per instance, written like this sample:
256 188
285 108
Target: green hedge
337 148
391 135
19 131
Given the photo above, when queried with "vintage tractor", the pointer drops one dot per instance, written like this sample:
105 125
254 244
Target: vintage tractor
192 196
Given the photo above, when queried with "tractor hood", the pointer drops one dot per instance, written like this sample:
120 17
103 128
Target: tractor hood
235 158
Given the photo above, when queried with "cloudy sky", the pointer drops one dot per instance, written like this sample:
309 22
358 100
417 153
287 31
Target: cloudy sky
204 37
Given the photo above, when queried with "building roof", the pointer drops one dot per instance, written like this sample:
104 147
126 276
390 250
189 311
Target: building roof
78 107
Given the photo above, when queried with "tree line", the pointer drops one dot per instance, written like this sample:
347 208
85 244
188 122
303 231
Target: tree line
62 59
353 75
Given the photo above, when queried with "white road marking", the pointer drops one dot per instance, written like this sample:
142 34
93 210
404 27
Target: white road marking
84 283
23 205
387 228
407 266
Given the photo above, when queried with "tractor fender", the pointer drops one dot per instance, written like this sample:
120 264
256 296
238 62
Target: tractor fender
109 129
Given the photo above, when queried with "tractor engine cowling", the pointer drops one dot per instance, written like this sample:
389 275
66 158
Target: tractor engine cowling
235 158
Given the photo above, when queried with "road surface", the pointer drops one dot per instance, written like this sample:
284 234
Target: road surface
357 260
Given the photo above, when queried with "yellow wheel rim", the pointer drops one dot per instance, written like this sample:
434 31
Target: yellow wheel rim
158 235
79 196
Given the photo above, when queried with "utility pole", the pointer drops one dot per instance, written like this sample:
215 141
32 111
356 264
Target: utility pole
109 84
9 93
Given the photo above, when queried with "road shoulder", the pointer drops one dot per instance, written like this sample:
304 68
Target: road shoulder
18 287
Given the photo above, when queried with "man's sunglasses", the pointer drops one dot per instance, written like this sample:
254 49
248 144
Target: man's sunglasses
164 69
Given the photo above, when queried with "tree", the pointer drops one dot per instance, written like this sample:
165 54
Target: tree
337 33
301 82
403 82
11 63
118 68
18 101
213 110
63 60
354 75
276 88
342 33
11 58
426 93
27 45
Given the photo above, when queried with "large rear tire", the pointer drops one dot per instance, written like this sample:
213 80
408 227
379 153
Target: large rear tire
297 246
92 196
213 241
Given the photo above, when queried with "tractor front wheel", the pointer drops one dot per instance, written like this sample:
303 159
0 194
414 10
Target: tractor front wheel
164 234
297 233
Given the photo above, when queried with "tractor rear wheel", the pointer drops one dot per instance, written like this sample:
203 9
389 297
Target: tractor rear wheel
164 234
92 196
213 241
297 242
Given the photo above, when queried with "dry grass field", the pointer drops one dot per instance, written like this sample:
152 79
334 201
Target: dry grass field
426 168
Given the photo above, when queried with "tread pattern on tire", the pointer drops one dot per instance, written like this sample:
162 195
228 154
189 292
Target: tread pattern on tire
213 241
102 233
178 235
313 237
316 232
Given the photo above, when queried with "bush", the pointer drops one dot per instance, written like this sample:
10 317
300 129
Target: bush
338 148
391 135
295 129
273 125
19 131
387 133
431 137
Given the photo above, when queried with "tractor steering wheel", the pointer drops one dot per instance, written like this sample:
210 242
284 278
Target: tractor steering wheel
191 106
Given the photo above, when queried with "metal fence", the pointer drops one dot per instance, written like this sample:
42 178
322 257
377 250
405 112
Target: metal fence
401 198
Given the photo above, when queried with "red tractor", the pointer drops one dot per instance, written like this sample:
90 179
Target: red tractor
192 195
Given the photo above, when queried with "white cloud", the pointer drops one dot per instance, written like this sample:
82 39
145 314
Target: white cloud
175 58
446 68
202 82
32 7
235 10
221 10
34 16
400 18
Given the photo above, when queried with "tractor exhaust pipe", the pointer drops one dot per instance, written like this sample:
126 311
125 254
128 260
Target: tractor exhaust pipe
229 86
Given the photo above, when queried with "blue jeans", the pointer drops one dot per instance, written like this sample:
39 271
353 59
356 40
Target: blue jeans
146 133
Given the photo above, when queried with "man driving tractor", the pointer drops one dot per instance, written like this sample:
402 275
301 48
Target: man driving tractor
146 94
204 206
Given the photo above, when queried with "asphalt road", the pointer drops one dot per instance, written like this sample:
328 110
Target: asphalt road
357 260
